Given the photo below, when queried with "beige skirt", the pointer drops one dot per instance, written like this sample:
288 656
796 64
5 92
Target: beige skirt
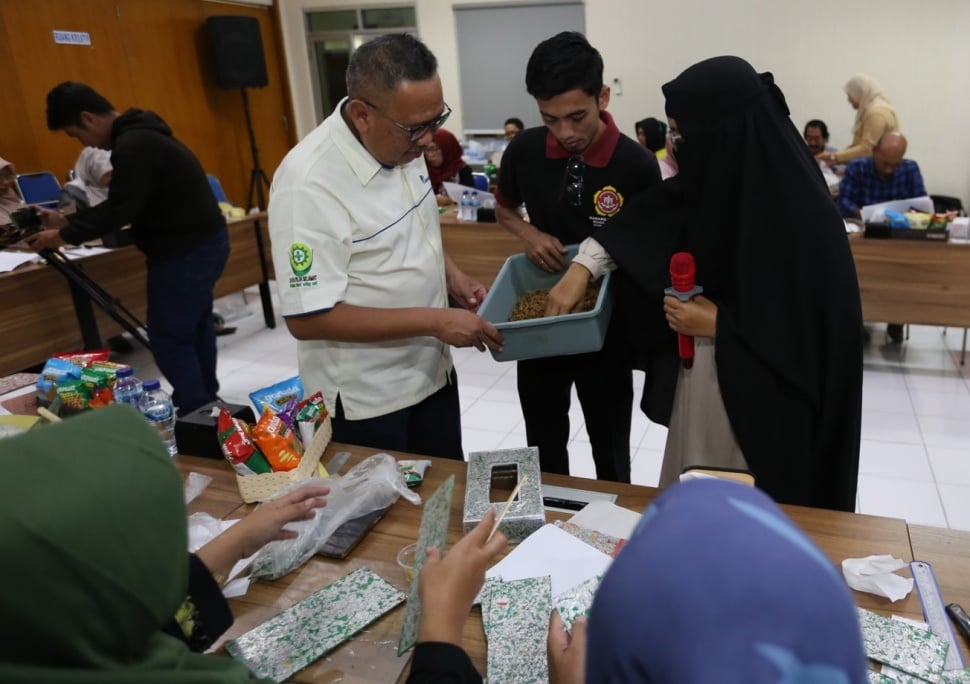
700 433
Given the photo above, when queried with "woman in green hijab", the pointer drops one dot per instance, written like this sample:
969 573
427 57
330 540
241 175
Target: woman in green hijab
94 535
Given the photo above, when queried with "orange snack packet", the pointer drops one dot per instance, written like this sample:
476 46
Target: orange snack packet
277 441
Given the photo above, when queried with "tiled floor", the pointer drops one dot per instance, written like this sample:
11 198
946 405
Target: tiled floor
915 456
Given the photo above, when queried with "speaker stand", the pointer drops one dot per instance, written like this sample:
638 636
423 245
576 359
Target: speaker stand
256 179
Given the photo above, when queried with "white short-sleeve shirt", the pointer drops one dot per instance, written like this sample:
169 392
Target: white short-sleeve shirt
345 228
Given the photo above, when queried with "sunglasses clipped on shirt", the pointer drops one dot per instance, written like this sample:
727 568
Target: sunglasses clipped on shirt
415 133
575 168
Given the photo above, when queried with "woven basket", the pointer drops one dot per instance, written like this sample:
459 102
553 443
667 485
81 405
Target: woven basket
263 486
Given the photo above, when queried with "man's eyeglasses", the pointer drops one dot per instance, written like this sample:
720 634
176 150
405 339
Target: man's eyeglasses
415 133
575 168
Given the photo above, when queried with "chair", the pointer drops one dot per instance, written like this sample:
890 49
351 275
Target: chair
217 188
481 181
944 203
40 188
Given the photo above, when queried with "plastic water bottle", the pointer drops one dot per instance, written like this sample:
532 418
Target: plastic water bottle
157 407
464 209
474 204
128 388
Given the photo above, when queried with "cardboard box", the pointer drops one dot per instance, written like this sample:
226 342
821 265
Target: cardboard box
575 333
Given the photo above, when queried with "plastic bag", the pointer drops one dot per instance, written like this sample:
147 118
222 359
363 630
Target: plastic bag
371 485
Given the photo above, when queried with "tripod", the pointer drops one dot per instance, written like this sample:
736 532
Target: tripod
84 291
256 179
257 176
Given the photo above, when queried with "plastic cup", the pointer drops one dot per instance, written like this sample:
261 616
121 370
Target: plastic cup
405 558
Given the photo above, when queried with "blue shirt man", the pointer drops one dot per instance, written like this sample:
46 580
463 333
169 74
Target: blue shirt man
882 177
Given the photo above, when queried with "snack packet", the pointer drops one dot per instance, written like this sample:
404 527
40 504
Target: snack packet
74 396
55 371
237 447
310 416
84 358
276 396
276 441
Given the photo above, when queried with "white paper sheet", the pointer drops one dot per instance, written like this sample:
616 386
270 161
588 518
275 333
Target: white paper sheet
607 518
202 529
553 552
919 203
11 260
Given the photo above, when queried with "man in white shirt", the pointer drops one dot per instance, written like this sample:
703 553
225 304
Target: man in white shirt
364 281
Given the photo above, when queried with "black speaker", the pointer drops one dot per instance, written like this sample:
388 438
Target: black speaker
237 51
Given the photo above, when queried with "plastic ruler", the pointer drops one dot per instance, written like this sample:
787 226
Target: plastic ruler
934 612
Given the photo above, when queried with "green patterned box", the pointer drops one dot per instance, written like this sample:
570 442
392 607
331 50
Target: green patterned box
526 513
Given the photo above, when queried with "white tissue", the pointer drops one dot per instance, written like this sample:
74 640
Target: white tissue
194 484
874 574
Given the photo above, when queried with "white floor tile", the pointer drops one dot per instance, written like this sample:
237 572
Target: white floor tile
956 503
915 502
485 414
581 460
892 459
483 362
473 439
645 469
942 404
953 433
950 466
941 381
474 385
882 378
655 438
890 427
887 399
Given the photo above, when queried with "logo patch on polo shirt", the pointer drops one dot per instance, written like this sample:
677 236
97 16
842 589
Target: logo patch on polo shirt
301 259
607 201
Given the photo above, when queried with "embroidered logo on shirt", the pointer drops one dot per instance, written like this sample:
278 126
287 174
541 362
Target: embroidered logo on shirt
301 259
607 201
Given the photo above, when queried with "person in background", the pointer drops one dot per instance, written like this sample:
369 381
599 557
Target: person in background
668 165
576 173
92 177
445 163
881 177
816 135
784 614
652 134
364 280
874 118
513 126
10 199
158 186
778 349
96 542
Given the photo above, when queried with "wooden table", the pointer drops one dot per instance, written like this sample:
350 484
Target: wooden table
370 657
479 249
39 318
913 281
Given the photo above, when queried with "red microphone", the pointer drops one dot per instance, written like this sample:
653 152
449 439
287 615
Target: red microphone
682 272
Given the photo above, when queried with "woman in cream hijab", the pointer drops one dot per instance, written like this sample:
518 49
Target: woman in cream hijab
9 198
874 118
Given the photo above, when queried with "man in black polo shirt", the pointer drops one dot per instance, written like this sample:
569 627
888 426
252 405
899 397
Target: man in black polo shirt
573 175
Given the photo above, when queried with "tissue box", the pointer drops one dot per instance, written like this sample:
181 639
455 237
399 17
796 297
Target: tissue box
960 227
492 475
196 433
574 333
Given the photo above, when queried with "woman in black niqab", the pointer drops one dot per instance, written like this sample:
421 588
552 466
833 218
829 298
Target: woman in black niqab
772 254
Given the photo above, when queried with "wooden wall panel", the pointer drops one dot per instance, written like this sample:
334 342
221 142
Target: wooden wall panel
144 53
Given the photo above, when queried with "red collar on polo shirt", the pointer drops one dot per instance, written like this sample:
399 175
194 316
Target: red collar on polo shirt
598 154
